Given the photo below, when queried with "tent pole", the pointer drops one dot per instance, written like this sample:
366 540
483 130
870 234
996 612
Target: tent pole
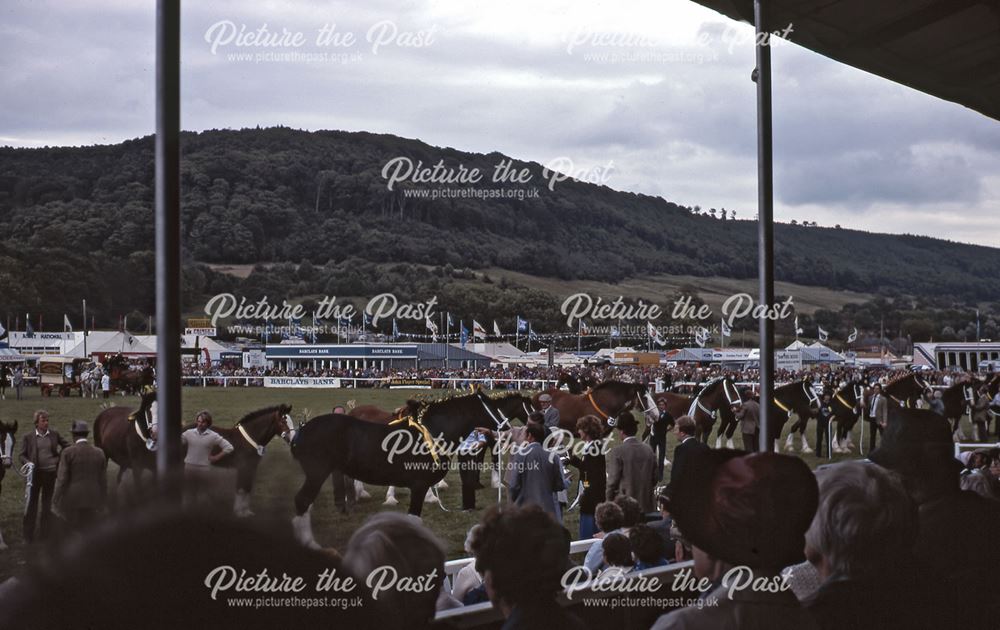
168 246
765 220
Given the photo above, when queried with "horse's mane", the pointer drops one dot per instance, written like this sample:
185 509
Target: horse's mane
260 412
901 377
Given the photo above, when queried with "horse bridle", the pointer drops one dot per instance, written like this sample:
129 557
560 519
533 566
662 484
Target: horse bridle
6 449
287 435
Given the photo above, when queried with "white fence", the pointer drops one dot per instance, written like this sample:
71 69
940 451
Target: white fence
351 382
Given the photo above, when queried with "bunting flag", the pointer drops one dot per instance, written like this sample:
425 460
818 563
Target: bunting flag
478 332
463 334
654 334
431 326
522 324
531 333
726 330
3 331
851 338
366 320
67 327
496 329
615 332
584 329
28 330
395 329
798 331
823 335
451 322
701 336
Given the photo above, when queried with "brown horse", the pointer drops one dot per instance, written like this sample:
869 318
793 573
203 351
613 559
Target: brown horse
907 389
605 401
124 378
122 433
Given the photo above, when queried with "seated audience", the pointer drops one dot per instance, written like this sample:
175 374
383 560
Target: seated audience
647 547
609 518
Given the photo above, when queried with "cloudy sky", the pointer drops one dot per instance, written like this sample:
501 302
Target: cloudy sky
655 93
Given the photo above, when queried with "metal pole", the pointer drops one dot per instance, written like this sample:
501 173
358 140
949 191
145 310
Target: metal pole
168 245
765 221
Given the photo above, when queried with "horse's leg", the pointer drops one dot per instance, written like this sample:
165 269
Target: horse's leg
418 492
245 472
390 496
302 521
359 491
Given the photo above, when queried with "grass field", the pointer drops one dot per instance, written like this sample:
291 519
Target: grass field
279 476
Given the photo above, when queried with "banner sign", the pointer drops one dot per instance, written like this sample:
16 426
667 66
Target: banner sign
254 359
300 381
201 332
410 383
787 360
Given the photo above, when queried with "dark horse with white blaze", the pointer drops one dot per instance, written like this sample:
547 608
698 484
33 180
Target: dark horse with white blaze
799 398
7 433
718 394
847 403
412 451
576 383
907 389
121 433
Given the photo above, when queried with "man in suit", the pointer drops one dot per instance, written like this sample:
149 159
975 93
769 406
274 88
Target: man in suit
550 413
41 449
748 414
658 439
535 474
632 466
687 448
878 414
82 481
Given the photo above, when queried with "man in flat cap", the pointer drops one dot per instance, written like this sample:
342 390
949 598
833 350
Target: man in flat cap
550 412
82 482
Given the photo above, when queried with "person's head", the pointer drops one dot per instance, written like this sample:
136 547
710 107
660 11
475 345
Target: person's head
982 484
537 417
627 424
161 549
877 388
400 541
535 432
339 409
738 509
608 516
661 404
631 512
79 429
918 446
589 428
995 468
865 521
545 401
42 420
663 504
203 420
617 550
646 544
938 394
522 554
685 427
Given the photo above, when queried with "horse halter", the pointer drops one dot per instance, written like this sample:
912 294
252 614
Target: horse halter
732 397
6 449
810 394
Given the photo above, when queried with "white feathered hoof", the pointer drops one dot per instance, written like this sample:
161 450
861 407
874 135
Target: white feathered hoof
390 496
302 526
788 443
495 479
360 492
805 445
729 443
430 497
718 442
442 485
836 448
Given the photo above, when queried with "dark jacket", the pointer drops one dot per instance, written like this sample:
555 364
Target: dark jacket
29 446
663 424
82 482
542 617
593 476
632 472
686 450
